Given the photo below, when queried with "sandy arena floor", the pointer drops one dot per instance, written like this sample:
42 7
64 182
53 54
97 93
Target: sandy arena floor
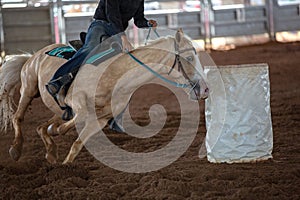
187 178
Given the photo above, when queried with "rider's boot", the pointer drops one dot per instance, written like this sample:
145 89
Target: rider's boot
57 87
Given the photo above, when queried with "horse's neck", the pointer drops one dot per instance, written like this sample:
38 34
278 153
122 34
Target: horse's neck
166 44
159 52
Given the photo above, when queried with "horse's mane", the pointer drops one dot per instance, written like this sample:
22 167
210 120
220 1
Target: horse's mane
153 43
158 40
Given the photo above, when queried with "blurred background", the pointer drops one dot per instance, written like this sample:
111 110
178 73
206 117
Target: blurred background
28 25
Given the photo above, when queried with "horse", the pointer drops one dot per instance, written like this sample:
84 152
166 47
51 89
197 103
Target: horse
167 52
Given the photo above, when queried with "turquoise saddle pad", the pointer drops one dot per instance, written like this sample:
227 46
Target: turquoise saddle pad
97 56
65 52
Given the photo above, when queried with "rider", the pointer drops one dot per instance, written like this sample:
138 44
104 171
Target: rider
111 17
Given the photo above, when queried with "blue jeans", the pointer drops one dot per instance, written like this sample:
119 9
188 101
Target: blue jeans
96 31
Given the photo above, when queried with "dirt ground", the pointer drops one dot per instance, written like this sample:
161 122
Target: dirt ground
187 178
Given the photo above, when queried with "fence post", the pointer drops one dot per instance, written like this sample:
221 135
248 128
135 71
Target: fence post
59 25
206 21
2 51
173 20
270 20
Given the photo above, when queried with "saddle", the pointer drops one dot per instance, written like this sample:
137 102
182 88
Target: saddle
77 44
99 55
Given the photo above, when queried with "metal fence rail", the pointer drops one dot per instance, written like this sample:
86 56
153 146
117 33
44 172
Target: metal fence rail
286 18
239 21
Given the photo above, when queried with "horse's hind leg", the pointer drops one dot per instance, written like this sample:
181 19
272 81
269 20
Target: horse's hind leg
88 130
50 145
15 150
28 91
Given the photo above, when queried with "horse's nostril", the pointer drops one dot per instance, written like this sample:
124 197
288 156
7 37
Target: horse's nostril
206 90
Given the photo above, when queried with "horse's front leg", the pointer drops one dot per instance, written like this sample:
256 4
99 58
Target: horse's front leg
88 130
60 128
15 150
65 127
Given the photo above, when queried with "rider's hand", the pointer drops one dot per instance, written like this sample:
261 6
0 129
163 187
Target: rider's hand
152 23
126 44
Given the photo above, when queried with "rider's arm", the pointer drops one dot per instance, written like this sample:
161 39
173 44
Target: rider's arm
139 17
140 20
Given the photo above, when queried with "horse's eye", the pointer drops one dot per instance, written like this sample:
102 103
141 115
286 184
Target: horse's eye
190 58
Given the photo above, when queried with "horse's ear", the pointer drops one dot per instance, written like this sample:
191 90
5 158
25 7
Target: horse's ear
179 35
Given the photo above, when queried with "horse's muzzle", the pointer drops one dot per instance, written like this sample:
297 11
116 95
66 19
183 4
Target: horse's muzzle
199 91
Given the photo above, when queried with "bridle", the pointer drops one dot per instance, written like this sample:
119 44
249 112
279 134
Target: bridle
192 85
180 66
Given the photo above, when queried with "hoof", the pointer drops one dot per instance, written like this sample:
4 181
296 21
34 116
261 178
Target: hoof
52 130
52 155
14 153
51 158
67 161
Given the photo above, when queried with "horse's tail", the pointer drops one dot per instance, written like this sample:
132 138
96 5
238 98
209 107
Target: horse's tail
10 82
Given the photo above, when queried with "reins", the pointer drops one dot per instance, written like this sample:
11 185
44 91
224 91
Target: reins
179 85
148 35
176 61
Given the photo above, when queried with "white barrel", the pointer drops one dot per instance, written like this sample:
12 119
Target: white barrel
238 114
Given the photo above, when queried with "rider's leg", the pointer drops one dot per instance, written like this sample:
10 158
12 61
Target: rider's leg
66 72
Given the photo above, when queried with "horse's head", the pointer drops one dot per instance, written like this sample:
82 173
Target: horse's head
189 65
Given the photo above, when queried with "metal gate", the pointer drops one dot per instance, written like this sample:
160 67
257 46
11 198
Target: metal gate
286 17
26 29
239 21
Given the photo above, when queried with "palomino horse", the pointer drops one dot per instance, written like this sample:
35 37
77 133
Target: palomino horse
167 52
